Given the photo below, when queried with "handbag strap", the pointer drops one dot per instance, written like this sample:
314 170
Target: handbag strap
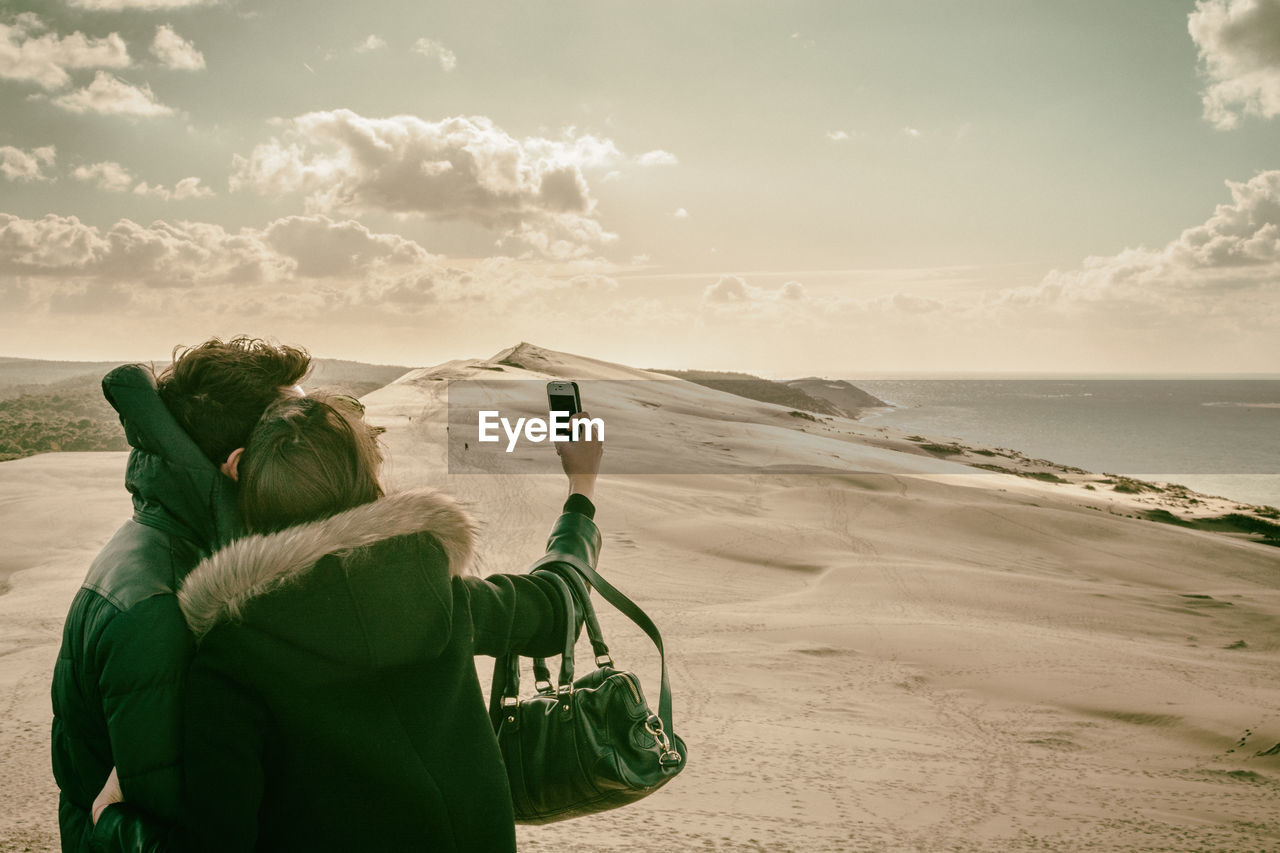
582 598
628 608
511 663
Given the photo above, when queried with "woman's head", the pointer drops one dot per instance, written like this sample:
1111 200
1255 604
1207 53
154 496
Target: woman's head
307 458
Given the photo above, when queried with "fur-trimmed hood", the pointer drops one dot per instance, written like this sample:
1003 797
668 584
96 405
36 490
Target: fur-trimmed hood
219 587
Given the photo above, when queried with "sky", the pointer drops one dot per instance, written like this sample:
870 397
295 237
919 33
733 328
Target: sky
843 188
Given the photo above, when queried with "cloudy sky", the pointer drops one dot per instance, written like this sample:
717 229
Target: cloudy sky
850 188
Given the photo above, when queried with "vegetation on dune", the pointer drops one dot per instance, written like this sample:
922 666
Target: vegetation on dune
1046 476
1128 485
68 415
755 388
1267 532
944 449
1237 522
1166 517
845 396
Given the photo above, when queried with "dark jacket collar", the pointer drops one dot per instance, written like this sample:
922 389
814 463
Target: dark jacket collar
175 487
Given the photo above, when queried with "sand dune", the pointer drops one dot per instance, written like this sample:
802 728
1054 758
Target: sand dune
908 657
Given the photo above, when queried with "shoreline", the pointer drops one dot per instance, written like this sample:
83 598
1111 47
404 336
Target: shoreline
1252 489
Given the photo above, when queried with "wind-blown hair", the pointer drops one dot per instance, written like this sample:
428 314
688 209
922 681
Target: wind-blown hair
218 390
308 458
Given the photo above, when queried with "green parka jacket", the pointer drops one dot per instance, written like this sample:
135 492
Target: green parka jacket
117 683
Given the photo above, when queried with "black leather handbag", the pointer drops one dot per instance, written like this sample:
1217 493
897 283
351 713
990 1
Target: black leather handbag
583 745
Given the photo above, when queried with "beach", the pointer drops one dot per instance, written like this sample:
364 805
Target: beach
872 646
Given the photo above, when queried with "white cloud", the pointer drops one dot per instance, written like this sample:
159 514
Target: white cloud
158 191
732 290
792 291
564 237
311 268
110 95
908 303
144 5
323 248
19 165
174 51
191 188
837 135
729 288
371 43
1227 267
533 189
163 254
107 175
681 213
1208 299
112 177
183 189
31 55
185 254
1239 45
657 157
432 49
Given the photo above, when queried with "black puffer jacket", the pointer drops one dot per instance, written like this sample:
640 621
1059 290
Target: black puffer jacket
333 703
125 646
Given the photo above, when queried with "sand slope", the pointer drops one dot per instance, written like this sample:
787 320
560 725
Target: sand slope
910 659
56 511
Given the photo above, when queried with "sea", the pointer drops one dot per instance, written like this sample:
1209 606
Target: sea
1216 436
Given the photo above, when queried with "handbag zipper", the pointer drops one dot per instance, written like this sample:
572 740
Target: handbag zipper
626 677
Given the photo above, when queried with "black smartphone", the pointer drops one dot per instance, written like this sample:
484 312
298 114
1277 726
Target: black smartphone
563 397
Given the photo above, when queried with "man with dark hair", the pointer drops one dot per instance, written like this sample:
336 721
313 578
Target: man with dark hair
125 646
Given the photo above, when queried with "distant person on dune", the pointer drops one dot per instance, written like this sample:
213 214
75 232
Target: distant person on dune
333 701
125 647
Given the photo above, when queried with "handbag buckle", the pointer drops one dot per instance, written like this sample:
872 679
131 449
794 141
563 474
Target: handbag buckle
604 660
669 756
510 701
542 686
653 726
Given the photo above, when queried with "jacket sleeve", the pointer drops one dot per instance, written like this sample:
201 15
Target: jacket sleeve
224 740
520 614
525 614
143 656
223 744
123 828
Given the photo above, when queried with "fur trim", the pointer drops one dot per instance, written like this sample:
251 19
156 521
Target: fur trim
219 587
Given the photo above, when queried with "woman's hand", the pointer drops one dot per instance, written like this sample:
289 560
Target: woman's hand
581 459
109 794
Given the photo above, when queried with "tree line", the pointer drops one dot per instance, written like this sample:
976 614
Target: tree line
69 415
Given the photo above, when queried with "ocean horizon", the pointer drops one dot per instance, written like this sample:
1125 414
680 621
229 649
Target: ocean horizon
1217 436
